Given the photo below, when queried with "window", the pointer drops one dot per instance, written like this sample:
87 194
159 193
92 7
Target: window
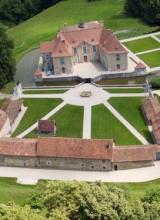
84 50
47 57
62 61
118 57
75 51
94 49
82 165
104 167
92 166
118 66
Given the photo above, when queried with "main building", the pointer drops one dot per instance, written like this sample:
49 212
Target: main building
86 42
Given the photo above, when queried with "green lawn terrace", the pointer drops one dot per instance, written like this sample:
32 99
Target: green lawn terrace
69 122
125 90
141 45
44 91
130 109
151 59
36 109
106 126
45 25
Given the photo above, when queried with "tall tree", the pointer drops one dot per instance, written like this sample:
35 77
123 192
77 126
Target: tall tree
7 61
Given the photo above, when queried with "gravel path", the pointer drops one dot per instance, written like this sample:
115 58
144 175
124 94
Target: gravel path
26 67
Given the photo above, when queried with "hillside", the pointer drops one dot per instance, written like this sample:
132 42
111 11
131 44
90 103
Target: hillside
45 25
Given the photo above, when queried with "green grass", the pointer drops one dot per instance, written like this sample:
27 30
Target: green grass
69 122
45 25
122 81
8 89
137 190
11 191
142 44
151 59
130 108
124 90
105 125
44 91
37 108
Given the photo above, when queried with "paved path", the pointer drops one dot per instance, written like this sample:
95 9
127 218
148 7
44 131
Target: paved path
126 123
26 67
87 122
42 96
156 38
128 95
140 37
148 51
34 126
31 176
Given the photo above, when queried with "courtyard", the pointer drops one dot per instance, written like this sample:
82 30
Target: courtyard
108 113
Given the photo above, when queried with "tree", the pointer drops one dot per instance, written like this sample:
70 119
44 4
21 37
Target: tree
7 62
148 10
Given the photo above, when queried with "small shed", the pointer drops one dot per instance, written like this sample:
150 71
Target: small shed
46 127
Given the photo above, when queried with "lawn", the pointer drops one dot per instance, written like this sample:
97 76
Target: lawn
124 90
8 89
37 108
130 108
122 81
151 59
45 25
69 122
44 91
142 44
105 125
11 191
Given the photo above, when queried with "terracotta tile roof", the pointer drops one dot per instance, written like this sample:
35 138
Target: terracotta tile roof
3 118
74 148
140 66
71 36
18 147
12 108
151 107
134 153
45 126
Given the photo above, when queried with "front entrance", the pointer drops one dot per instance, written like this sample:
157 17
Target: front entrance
158 156
85 59
63 69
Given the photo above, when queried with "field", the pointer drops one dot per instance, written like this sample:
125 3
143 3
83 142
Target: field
45 25
142 44
130 108
151 59
11 191
37 108
124 90
69 122
105 125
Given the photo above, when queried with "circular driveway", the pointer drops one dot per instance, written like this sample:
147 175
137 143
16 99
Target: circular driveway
73 96
26 67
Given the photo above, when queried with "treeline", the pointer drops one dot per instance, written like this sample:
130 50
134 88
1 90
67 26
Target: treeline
55 200
16 11
148 10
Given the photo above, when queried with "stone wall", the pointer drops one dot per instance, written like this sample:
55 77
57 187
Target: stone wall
68 65
70 163
131 165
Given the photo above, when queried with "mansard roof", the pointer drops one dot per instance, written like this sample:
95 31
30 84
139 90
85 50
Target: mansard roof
91 32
